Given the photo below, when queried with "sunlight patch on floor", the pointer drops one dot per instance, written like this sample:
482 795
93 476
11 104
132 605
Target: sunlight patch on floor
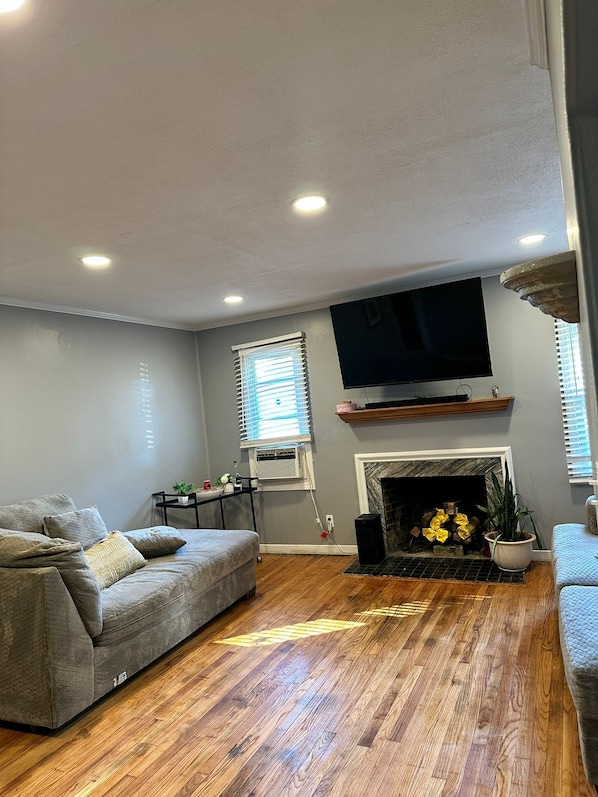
400 610
419 607
275 636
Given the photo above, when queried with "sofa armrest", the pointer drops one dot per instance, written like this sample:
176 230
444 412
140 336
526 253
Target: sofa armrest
46 654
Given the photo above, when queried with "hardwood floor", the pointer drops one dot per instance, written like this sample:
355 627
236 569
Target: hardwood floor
335 685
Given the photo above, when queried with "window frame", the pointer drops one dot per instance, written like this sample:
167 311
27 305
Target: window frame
255 393
573 402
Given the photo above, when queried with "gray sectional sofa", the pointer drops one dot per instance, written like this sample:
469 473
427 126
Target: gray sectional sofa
64 640
575 567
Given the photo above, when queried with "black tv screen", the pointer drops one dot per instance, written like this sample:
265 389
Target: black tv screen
421 335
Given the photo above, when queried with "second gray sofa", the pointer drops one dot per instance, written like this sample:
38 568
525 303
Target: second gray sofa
575 567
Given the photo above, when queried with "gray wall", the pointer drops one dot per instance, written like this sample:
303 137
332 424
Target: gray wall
524 363
80 395
105 411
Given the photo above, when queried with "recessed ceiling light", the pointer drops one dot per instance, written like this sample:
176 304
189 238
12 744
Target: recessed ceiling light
309 204
96 261
233 299
10 5
532 239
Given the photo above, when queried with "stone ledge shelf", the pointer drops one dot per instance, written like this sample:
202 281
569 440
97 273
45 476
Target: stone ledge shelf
549 283
500 404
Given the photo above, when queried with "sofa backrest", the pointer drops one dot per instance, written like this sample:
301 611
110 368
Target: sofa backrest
29 515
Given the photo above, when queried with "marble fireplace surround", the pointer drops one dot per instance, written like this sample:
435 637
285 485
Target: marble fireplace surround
372 468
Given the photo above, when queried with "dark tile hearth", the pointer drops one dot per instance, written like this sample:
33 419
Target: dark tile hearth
451 569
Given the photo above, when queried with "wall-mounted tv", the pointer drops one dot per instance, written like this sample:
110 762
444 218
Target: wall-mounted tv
420 335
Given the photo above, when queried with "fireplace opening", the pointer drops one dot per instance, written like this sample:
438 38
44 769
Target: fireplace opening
435 514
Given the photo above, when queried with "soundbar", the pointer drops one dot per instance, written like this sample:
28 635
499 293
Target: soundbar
417 400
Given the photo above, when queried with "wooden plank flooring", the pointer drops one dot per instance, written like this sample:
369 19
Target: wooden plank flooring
335 686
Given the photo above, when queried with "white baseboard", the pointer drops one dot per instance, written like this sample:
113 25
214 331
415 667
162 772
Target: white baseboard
326 549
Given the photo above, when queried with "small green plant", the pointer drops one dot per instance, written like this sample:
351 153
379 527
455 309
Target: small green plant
182 488
504 512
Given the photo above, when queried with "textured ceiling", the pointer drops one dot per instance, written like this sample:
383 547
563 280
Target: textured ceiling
173 135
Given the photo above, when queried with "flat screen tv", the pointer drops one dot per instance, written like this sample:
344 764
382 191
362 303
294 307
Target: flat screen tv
423 335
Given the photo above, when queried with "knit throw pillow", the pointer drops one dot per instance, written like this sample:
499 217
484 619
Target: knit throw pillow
113 558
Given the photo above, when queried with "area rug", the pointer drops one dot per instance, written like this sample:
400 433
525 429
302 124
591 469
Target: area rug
445 568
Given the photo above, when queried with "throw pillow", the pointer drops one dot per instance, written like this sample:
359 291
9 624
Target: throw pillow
83 525
156 541
30 549
113 558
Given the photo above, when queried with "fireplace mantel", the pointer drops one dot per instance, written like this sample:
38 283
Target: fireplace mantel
500 404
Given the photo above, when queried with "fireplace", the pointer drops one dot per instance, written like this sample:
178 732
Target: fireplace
407 487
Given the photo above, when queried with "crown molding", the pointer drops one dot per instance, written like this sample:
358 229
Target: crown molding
535 29
55 308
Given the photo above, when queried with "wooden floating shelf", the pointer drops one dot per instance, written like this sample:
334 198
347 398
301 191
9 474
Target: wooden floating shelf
500 404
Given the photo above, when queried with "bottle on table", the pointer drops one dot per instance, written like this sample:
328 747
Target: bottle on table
237 480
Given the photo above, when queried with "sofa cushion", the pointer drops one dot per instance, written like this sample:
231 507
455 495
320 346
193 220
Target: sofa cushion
83 525
113 558
155 541
29 515
574 560
579 643
138 601
31 549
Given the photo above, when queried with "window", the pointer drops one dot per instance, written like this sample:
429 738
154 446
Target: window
272 391
573 402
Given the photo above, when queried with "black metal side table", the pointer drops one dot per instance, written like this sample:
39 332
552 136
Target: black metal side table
166 501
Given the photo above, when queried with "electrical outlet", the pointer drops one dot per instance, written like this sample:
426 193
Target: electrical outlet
120 679
329 522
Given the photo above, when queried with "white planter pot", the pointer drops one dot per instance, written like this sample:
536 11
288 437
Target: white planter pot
228 488
183 499
512 557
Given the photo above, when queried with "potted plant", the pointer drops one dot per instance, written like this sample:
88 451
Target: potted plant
510 545
182 489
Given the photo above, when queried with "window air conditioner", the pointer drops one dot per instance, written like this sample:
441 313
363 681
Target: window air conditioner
278 463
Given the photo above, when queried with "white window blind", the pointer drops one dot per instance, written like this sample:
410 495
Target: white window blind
573 402
272 391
